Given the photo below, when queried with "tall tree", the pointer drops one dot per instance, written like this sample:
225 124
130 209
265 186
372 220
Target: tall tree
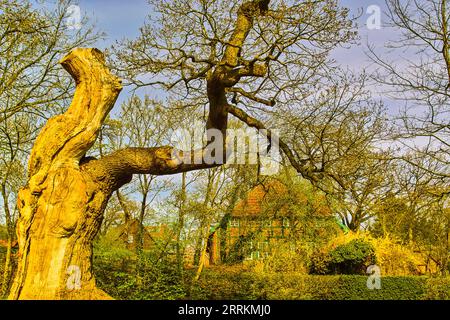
16 133
420 80
338 135
416 213
55 249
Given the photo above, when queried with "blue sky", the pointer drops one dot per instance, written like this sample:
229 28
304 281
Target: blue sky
118 18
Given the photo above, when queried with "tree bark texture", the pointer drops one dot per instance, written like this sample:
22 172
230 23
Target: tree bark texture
62 204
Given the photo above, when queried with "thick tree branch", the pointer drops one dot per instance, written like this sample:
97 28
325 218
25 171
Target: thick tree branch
246 13
225 75
116 169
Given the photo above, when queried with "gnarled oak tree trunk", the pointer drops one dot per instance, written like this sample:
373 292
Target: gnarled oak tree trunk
61 207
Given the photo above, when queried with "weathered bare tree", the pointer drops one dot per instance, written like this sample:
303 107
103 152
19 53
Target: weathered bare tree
15 139
282 56
338 134
205 45
420 80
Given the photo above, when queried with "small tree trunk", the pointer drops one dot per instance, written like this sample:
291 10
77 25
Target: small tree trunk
61 207
224 223
7 272
202 261
126 212
8 269
140 239
180 226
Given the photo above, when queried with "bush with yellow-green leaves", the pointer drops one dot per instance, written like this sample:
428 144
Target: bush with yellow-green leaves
352 253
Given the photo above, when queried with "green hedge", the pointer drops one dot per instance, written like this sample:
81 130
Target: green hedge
300 287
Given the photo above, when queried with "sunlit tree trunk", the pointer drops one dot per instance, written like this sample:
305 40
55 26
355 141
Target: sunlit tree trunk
202 261
180 226
62 204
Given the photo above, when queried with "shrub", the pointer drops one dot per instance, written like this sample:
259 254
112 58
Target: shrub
229 284
349 258
392 288
284 259
319 263
352 258
394 258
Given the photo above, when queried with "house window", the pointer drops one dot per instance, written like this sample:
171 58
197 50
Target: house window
258 250
130 238
250 254
234 223
286 222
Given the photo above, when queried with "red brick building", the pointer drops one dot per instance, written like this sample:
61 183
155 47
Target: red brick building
254 227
